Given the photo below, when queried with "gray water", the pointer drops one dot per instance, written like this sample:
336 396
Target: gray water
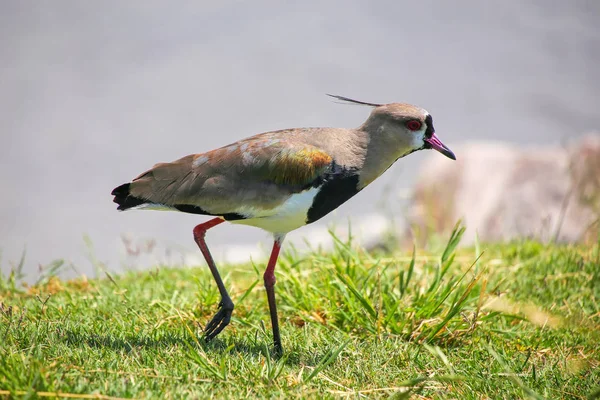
93 93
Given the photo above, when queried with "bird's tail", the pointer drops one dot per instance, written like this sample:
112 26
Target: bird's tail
124 198
159 187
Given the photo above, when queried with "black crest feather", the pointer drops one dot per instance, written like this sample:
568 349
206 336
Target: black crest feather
349 100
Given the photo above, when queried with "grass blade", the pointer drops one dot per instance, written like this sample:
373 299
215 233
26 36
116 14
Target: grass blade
327 359
363 300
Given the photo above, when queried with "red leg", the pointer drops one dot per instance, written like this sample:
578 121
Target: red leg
269 278
223 316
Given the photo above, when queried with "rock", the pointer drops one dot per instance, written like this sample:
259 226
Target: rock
503 191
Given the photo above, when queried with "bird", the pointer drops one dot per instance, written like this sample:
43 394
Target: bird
280 181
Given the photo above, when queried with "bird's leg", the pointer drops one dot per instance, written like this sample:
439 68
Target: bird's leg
223 316
269 278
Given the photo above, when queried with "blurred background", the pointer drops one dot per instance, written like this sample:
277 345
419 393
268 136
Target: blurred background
93 93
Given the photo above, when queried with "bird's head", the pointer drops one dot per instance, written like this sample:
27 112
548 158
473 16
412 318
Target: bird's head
404 126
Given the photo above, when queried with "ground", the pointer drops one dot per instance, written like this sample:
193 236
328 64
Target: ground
495 321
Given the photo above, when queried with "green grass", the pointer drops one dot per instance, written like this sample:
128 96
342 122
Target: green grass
520 320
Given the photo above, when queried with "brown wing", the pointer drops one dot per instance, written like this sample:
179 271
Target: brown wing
257 173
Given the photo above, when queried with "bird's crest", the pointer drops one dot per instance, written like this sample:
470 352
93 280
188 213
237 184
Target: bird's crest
348 100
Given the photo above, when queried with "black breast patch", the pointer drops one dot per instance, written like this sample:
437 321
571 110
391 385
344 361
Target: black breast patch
337 186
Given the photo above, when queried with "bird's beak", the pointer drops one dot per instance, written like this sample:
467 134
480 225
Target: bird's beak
434 143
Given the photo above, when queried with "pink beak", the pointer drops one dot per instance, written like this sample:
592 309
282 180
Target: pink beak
434 143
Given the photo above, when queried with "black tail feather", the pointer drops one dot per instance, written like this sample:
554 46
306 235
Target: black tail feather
124 199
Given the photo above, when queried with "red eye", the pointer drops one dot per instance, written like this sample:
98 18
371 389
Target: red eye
413 125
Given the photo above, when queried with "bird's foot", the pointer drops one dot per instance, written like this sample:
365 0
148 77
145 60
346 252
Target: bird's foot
220 320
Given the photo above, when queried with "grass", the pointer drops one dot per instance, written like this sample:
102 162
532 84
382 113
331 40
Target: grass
521 320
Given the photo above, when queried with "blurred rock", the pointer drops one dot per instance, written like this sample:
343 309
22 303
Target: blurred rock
504 191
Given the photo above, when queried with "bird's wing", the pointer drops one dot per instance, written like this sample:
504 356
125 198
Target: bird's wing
258 173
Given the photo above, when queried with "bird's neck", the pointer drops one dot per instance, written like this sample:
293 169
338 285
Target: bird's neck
382 151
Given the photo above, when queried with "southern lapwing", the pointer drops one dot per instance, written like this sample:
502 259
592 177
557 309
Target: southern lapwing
280 181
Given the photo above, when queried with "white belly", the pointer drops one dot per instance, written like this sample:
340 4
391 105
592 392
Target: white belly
285 218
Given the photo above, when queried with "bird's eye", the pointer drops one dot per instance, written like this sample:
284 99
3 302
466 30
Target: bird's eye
413 125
